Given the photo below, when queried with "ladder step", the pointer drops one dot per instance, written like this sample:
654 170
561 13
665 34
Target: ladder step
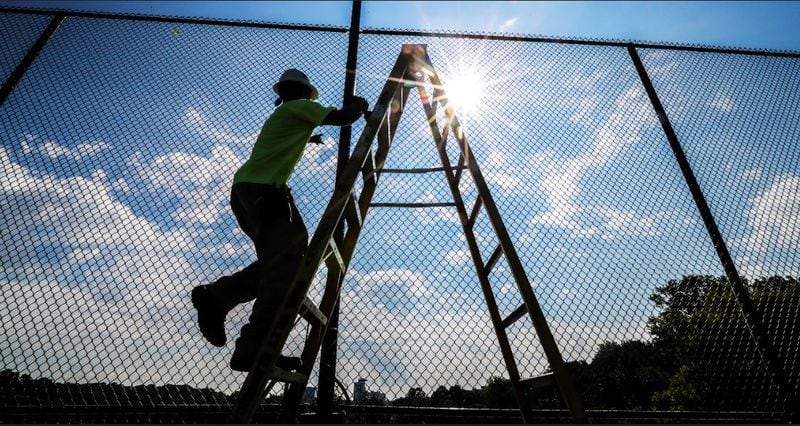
445 133
333 250
415 171
413 205
311 312
476 209
539 381
352 212
459 168
514 317
493 259
368 169
282 375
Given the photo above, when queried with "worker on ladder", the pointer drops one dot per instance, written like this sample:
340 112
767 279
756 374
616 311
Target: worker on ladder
264 208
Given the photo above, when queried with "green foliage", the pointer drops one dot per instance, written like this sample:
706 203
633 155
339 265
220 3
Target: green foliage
708 347
499 393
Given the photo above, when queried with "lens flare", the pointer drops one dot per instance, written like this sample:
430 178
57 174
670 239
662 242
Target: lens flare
466 90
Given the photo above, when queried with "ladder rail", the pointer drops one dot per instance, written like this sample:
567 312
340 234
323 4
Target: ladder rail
278 331
410 66
335 278
552 352
483 278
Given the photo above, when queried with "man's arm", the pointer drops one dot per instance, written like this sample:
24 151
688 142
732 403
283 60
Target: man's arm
348 114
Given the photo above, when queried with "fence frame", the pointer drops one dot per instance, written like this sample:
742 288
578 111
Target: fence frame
752 318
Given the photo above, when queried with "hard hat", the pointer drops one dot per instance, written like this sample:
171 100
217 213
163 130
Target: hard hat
298 77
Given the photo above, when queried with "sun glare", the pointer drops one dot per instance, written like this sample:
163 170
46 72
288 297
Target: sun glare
466 90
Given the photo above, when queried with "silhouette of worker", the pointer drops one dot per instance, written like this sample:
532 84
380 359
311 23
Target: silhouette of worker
264 208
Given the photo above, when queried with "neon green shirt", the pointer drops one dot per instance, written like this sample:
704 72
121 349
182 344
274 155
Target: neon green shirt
281 142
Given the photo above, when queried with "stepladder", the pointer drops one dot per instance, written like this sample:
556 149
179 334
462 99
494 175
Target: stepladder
413 70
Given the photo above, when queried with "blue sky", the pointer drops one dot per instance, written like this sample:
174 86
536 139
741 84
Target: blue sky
118 146
764 24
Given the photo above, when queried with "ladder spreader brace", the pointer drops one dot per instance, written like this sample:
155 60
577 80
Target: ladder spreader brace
409 71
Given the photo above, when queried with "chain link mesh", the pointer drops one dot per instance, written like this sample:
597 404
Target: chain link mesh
120 142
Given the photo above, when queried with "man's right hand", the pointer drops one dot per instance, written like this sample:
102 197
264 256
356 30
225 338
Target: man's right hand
359 103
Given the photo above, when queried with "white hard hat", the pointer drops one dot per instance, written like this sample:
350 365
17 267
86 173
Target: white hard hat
297 76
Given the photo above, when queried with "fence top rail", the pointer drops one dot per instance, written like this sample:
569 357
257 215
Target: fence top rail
173 19
402 32
584 41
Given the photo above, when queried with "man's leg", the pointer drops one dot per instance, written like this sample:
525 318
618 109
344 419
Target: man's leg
214 301
280 250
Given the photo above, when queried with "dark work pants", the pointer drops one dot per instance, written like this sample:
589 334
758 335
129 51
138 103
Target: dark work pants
267 215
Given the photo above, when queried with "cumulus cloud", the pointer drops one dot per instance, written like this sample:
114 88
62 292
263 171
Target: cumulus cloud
508 24
202 184
395 350
458 257
752 174
108 291
774 215
396 282
455 344
584 109
562 177
585 80
200 123
628 223
722 102
55 150
507 182
432 215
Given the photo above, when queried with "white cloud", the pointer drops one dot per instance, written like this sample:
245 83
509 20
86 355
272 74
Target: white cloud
585 80
748 266
55 150
562 177
200 123
458 257
628 223
505 181
754 174
202 184
394 282
432 215
584 109
121 185
453 345
114 290
508 24
722 102
774 217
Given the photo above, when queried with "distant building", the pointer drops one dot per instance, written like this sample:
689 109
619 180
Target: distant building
310 395
362 395
360 390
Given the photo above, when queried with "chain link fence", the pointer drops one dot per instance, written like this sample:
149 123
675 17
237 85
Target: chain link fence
120 141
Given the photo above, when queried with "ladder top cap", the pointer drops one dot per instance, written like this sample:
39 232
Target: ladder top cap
414 48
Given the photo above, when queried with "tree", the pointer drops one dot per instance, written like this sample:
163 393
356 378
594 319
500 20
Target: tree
709 348
624 375
499 393
415 397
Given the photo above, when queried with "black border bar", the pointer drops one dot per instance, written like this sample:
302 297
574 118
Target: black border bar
174 19
400 32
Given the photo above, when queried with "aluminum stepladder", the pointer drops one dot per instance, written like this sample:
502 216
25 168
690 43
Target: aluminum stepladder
409 71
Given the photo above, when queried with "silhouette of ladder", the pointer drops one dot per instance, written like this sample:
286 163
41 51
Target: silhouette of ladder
413 65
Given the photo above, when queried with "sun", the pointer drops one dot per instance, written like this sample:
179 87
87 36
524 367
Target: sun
466 90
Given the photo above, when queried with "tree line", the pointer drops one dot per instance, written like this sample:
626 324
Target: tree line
700 356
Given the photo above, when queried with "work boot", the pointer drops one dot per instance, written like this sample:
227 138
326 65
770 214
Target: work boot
244 356
210 315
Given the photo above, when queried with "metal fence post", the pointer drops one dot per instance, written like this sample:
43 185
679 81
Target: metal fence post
751 315
29 57
327 363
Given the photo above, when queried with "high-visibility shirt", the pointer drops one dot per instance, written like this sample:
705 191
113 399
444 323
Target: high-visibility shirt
281 142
